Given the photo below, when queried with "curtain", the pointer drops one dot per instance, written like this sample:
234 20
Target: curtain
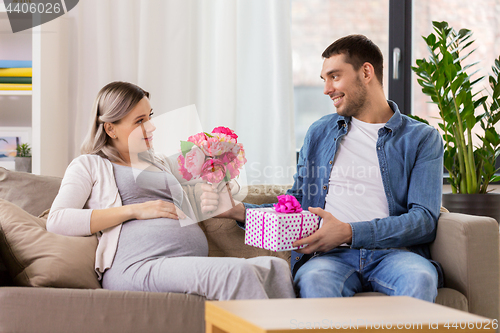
206 63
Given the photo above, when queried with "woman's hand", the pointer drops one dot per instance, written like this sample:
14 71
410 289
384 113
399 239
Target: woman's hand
156 209
215 199
102 219
209 198
215 202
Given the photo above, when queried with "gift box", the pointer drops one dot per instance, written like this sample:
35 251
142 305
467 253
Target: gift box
267 229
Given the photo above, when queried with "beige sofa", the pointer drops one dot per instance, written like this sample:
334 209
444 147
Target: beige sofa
51 286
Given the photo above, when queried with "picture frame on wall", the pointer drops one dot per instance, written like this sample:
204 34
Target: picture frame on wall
10 138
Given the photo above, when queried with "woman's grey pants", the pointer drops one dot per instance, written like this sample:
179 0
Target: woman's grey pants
213 277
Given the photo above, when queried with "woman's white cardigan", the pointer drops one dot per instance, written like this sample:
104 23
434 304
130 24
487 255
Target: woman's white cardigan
88 184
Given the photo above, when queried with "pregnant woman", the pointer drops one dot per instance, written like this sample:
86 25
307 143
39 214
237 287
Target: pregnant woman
132 199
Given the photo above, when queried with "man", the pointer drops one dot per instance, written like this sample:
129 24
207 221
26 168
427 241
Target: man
374 176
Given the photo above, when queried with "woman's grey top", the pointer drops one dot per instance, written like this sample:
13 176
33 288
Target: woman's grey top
160 237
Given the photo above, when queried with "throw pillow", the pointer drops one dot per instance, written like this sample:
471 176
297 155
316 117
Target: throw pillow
5 279
32 193
35 257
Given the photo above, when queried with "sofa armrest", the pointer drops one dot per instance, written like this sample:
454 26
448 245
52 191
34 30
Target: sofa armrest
467 248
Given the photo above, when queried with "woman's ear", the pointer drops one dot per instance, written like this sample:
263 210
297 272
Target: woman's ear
110 130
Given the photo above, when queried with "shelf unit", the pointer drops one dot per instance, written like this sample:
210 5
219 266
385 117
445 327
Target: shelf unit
15 93
44 109
15 105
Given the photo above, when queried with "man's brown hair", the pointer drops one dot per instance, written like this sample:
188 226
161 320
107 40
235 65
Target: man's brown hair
358 49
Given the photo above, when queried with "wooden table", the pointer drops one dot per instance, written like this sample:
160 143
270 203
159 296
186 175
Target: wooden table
339 314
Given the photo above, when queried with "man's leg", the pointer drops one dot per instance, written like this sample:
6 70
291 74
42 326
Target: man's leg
403 273
329 275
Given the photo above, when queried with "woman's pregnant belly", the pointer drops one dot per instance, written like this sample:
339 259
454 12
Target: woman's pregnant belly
162 237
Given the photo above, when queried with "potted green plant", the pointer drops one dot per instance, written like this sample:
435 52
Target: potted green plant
23 158
445 78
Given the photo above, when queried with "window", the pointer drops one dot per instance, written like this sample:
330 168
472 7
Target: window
390 24
480 16
315 25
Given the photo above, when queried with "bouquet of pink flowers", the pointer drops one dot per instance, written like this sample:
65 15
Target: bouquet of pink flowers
214 157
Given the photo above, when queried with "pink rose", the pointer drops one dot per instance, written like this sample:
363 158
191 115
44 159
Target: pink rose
185 174
225 130
235 166
221 144
234 169
198 139
225 139
287 204
236 149
213 147
213 171
241 156
227 157
194 161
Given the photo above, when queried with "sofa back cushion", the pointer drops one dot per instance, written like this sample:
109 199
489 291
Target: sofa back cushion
35 257
262 194
32 193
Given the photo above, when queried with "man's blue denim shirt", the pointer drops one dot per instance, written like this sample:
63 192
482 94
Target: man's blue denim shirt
410 156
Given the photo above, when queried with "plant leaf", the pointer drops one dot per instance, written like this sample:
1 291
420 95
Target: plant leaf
480 102
186 147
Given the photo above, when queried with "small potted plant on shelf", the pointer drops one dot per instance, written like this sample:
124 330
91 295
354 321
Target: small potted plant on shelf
23 158
469 159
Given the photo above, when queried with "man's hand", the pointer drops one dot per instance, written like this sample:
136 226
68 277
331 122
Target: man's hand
332 234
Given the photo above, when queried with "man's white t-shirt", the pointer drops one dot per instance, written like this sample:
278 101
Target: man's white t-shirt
356 192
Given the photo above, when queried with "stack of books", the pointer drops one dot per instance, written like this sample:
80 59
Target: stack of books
15 74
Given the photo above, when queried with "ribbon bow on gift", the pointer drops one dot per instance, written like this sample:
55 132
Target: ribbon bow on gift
287 204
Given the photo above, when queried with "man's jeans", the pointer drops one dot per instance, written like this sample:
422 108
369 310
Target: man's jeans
344 271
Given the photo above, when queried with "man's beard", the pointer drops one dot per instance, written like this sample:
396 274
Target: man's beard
356 103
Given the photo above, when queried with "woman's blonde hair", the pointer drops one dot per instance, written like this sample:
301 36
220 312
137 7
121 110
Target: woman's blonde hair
113 103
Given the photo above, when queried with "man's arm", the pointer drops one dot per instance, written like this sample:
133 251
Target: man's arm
417 226
236 213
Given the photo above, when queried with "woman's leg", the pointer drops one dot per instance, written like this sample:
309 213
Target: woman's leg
212 277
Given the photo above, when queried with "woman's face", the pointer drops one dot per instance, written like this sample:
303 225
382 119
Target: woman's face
134 133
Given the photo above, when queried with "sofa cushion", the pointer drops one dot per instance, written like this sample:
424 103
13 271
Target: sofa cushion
37 258
32 193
